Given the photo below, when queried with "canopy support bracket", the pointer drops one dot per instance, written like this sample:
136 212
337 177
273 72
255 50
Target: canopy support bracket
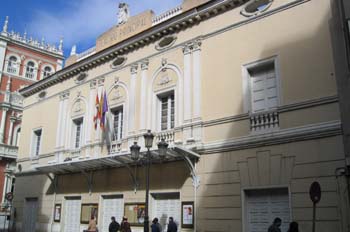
132 175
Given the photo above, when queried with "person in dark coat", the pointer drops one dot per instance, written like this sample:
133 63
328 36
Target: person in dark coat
114 225
172 227
275 227
293 227
125 226
155 227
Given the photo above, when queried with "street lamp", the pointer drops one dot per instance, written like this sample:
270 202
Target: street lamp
135 155
148 143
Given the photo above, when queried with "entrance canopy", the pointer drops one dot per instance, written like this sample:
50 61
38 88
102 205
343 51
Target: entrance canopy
115 160
88 166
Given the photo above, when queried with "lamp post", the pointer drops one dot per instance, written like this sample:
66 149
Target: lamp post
135 155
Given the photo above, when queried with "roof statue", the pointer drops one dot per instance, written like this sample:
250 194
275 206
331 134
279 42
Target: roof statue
4 29
74 50
123 13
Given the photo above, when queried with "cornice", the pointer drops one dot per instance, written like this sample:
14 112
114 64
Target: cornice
9 40
290 135
175 24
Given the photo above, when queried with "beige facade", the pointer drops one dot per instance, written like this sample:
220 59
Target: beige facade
253 95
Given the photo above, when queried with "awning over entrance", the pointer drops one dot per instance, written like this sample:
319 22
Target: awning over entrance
88 166
114 160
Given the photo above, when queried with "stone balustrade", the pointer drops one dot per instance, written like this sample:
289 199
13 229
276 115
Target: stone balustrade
166 15
264 121
168 136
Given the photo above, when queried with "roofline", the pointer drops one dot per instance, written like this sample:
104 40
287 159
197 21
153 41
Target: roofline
56 55
170 26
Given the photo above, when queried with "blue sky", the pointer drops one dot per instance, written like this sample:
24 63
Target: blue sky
78 21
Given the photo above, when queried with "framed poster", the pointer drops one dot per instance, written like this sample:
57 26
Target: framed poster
87 211
135 212
187 214
57 213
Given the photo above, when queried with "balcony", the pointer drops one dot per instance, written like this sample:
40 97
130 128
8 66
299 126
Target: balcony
16 99
12 70
29 75
265 121
8 151
168 136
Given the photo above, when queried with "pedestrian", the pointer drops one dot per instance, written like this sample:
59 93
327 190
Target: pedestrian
275 227
125 226
172 227
155 227
293 227
114 225
92 225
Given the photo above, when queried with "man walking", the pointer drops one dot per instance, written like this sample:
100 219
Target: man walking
114 225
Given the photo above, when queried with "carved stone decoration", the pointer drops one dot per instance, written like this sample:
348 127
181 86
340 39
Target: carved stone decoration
93 84
166 42
81 78
123 13
116 81
255 7
42 94
164 64
117 95
118 62
165 79
133 69
187 48
144 64
101 81
257 170
64 95
196 45
23 57
77 106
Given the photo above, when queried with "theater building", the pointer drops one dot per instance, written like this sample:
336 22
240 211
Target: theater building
243 92
23 61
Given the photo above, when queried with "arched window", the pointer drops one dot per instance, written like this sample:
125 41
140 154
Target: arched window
30 70
47 71
12 65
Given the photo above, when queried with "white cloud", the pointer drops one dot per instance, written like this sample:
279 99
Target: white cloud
82 21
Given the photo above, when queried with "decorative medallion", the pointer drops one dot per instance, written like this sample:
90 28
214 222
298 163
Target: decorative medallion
165 42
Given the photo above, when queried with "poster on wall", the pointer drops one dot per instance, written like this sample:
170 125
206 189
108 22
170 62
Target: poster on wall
87 212
57 213
187 214
135 212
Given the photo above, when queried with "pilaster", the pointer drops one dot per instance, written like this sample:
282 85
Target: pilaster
2 124
131 126
143 95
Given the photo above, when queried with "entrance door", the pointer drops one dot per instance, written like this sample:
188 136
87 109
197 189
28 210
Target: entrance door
263 206
30 214
165 205
72 215
112 206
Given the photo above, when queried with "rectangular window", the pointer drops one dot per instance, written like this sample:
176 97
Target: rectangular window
167 112
117 124
78 123
262 206
36 142
263 87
